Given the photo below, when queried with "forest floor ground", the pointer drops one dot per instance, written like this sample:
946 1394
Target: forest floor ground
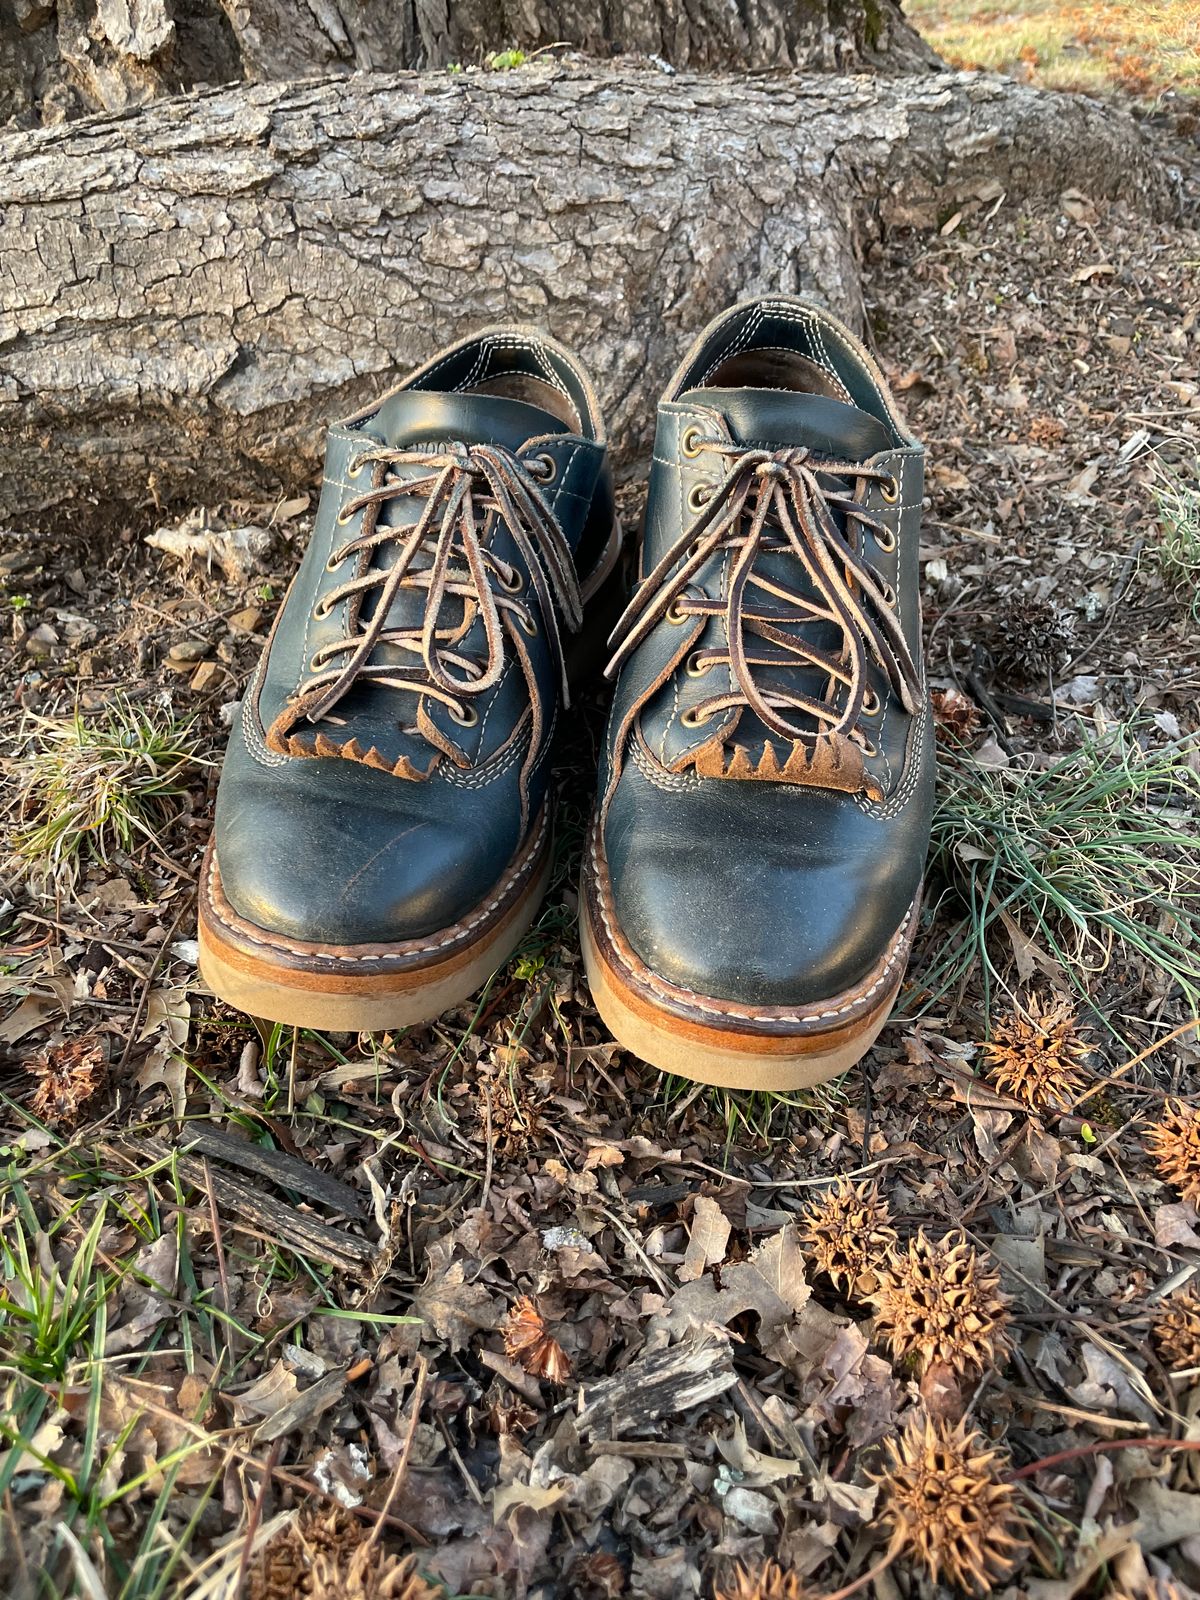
452 1291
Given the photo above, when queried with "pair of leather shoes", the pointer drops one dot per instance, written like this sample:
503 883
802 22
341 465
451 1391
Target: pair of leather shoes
752 873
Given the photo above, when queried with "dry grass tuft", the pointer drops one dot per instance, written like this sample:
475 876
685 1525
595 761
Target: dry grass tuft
87 786
767 1581
849 1234
68 1075
1175 1145
1036 1057
948 1506
937 1304
1176 1330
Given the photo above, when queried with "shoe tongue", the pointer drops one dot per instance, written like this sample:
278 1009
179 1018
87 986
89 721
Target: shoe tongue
772 417
424 416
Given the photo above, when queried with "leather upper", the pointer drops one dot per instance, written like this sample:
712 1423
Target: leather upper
772 862
391 811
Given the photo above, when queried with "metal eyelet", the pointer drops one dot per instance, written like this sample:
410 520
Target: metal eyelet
871 704
354 470
692 443
699 495
868 749
675 615
692 669
321 610
548 467
528 625
465 716
343 517
336 558
691 718
512 585
885 539
889 594
891 489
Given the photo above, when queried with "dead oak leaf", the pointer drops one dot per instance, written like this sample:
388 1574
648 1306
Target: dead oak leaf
770 1283
454 1309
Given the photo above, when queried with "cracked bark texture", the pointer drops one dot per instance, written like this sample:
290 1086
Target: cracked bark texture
60 58
189 292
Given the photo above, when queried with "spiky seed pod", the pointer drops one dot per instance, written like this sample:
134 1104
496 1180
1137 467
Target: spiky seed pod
849 1234
1176 1330
948 1506
1036 1058
1031 638
937 1303
326 1553
767 1581
956 717
1175 1145
68 1075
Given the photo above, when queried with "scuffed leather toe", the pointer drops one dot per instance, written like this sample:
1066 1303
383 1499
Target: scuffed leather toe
796 907
338 853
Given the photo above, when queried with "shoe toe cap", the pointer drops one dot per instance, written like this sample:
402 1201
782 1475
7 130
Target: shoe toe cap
341 854
766 916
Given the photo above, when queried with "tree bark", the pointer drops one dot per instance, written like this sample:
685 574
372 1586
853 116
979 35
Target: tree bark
60 58
190 291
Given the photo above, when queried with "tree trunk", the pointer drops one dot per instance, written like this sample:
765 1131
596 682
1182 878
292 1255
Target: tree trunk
59 58
189 292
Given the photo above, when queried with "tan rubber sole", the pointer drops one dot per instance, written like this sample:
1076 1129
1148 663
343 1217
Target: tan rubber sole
729 1056
305 987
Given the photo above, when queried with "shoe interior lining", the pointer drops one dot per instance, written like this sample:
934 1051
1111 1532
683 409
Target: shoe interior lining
776 368
533 391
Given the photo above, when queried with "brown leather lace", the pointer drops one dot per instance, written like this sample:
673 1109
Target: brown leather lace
790 509
462 481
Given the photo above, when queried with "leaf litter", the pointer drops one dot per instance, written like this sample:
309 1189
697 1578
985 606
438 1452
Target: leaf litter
489 1308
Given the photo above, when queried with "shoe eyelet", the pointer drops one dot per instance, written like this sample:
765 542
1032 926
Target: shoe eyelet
322 609
354 470
545 465
871 704
891 489
335 560
699 495
885 538
889 594
691 718
692 669
343 517
465 716
868 749
675 615
528 625
692 443
512 585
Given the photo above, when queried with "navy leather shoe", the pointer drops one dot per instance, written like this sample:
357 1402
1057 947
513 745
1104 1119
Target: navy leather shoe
752 879
382 836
